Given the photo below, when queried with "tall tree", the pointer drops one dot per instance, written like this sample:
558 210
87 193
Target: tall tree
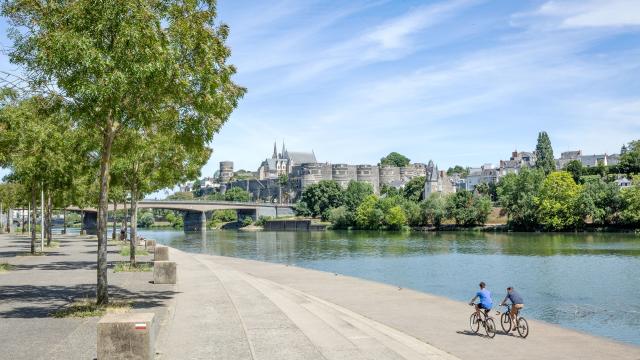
544 154
630 159
557 202
395 159
128 65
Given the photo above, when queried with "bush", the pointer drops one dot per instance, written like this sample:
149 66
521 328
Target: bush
247 221
630 213
434 209
558 202
225 215
341 218
262 220
146 220
468 209
395 219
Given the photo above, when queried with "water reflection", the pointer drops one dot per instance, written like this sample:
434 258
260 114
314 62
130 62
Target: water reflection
585 281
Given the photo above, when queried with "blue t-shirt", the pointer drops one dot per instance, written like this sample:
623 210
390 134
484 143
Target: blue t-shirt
485 298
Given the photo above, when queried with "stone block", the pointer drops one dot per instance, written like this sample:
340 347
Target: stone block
164 272
150 244
126 336
161 253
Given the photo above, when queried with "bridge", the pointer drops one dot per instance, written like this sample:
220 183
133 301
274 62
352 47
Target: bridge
194 211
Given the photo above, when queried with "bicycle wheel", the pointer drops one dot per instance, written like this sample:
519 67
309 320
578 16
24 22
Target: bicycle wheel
505 322
523 327
474 323
490 327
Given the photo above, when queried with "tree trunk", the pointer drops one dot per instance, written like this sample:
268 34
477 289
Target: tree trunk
9 220
33 219
123 229
115 208
64 221
134 226
49 222
82 222
102 290
22 228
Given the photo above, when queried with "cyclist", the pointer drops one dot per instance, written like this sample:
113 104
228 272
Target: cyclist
485 299
516 303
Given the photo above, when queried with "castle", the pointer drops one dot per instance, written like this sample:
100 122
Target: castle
284 175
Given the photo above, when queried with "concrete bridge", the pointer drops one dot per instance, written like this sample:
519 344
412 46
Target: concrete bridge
194 211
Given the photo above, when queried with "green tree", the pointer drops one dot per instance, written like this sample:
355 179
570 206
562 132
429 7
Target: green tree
128 65
368 215
600 201
318 198
341 217
355 193
146 219
389 190
395 159
395 218
544 154
575 168
630 160
467 208
181 195
462 171
237 194
557 202
414 188
630 214
517 194
434 209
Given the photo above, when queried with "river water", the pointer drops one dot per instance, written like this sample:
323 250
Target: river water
588 282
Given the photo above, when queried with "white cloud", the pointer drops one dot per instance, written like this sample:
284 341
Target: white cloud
572 14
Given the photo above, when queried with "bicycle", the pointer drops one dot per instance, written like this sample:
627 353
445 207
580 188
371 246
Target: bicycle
522 326
487 322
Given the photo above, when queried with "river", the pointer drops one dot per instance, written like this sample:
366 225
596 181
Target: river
588 282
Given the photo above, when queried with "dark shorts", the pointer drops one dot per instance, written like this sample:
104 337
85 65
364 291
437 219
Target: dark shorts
481 306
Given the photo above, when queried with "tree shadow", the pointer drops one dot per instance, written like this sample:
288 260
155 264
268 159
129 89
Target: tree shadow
51 298
59 265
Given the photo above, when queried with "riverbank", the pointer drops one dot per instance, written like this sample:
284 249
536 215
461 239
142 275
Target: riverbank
275 311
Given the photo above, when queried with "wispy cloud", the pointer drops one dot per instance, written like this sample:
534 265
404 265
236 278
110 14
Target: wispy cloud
573 14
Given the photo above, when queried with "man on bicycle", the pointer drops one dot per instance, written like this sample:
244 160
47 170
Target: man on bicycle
516 302
485 299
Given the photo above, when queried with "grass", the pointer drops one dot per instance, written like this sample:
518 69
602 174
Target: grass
126 251
27 253
126 267
88 308
4 267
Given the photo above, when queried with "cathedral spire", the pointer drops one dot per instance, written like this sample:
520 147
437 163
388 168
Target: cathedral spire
282 155
275 151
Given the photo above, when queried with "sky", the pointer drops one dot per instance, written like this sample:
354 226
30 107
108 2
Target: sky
460 82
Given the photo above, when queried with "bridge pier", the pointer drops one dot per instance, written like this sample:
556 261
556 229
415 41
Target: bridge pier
90 222
195 221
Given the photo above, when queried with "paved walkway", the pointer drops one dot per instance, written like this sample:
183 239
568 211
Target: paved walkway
39 285
228 308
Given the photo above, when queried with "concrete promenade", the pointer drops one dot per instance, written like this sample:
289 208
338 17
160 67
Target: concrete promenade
228 308
40 285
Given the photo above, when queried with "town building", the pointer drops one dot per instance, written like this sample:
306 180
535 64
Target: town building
586 160
517 161
487 173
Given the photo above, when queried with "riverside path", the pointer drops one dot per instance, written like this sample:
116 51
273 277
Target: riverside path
230 308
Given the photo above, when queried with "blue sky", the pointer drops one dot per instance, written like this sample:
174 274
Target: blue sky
460 82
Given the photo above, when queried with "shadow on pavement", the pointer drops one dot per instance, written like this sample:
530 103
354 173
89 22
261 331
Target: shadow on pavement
51 298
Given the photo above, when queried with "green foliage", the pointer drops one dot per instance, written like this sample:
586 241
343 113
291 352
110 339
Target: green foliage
558 202
395 159
544 154
176 220
181 195
88 308
126 267
262 220
341 218
368 215
630 214
225 215
4 267
395 218
599 201
575 168
414 188
462 171
318 198
247 221
467 208
517 194
434 209
237 194
389 190
355 193
125 250
413 213
630 160
145 219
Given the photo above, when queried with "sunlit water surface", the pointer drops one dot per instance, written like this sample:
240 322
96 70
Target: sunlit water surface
589 282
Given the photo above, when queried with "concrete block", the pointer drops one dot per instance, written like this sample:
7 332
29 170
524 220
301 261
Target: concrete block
161 253
164 272
150 244
126 336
